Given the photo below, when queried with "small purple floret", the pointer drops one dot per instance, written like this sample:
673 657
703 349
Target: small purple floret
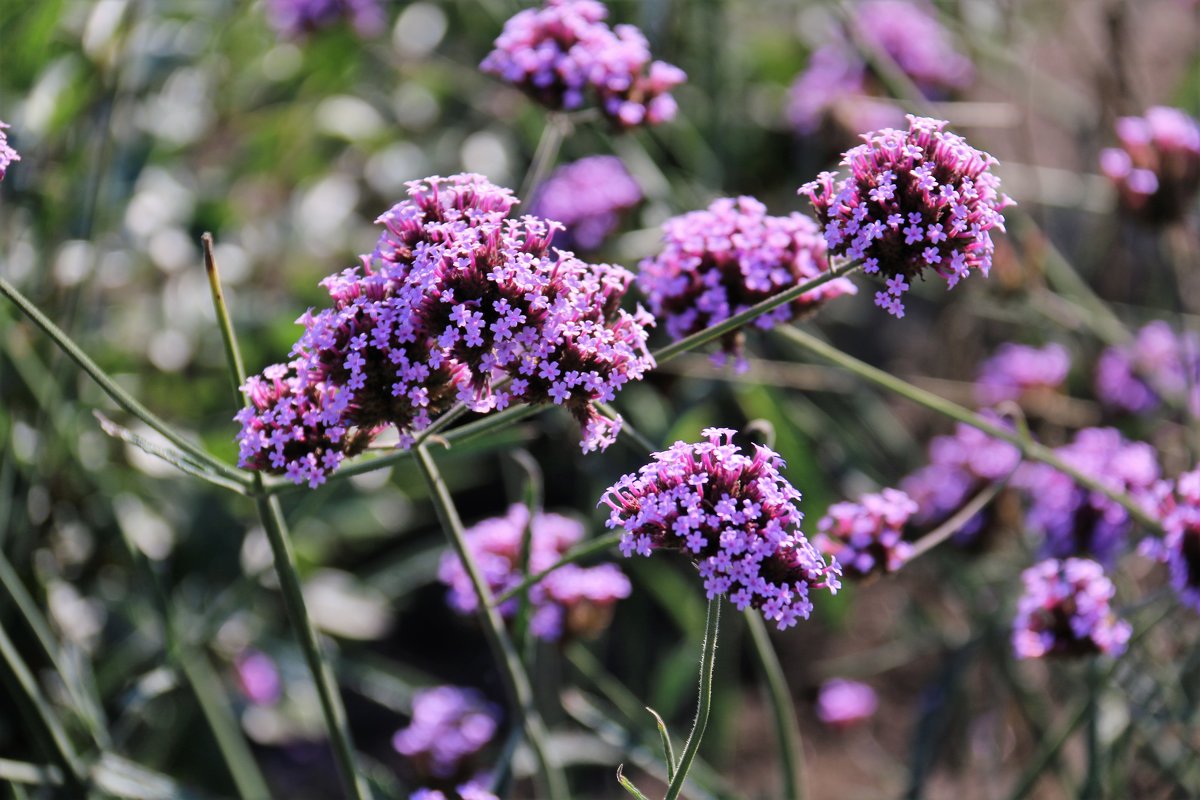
1157 167
7 154
1017 369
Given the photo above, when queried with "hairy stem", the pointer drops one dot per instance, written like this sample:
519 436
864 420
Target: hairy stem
708 657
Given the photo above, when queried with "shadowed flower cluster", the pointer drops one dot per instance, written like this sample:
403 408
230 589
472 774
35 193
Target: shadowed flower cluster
294 19
1157 167
843 703
449 727
915 200
734 515
1179 548
468 791
572 600
7 154
564 51
458 302
1016 369
866 537
1135 377
1066 611
587 196
720 261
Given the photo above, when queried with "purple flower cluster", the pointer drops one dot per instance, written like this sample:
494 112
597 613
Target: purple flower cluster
587 196
838 79
734 515
467 791
1016 369
563 51
1158 363
867 537
7 154
571 600
294 19
914 200
258 677
842 703
720 261
449 727
1066 611
1179 548
458 302
1074 520
1157 167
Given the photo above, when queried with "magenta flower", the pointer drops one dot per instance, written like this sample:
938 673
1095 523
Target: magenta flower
295 19
1016 369
1066 611
867 537
258 677
915 201
734 515
720 261
1157 167
843 704
588 197
467 791
572 600
449 727
564 53
1179 549
7 154
1158 363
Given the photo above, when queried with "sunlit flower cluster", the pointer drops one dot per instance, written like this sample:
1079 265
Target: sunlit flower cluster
587 196
7 154
867 537
1066 611
1157 167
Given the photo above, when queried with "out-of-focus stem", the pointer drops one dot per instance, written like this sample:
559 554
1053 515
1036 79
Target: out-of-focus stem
783 710
555 131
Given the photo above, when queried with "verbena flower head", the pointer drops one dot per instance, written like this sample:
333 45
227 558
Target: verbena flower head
843 703
866 537
449 726
1179 548
258 677
467 791
572 600
720 261
1157 167
1076 521
1066 611
734 515
7 154
458 302
914 201
1158 363
587 196
1017 369
564 53
294 19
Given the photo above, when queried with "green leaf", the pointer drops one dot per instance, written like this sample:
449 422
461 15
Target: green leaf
668 749
627 784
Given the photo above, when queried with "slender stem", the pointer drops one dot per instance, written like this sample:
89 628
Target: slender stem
959 518
270 513
577 553
783 710
1029 449
708 657
553 133
552 783
627 430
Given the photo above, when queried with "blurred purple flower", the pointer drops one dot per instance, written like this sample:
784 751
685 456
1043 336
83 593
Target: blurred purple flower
1016 369
1066 611
733 515
467 791
843 703
587 196
1157 167
1179 509
1134 377
571 600
258 677
915 200
449 726
7 154
866 537
720 261
295 19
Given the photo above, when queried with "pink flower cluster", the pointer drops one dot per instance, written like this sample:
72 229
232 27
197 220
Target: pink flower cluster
1158 363
915 200
587 196
720 261
842 703
467 791
867 537
1179 548
734 515
564 51
294 19
449 727
458 302
572 600
1157 167
1066 611
7 154
1016 369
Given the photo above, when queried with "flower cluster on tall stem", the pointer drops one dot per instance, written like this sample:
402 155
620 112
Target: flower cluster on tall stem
588 197
1066 610
1157 364
1157 167
294 19
1017 369
867 537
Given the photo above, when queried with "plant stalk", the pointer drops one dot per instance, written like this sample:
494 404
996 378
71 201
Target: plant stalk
708 657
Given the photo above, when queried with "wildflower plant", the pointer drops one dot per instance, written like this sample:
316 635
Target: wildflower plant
1066 610
1156 169
867 537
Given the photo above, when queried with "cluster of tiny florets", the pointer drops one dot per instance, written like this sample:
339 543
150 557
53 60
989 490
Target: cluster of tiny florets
1074 520
843 703
867 537
587 196
720 261
571 600
1066 611
915 200
449 727
1179 549
734 515
458 302
1018 369
1157 363
7 154
564 52
1157 167
294 19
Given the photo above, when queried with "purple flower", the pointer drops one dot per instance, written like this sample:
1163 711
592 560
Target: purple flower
587 196
295 19
1157 167
935 182
843 704
258 677
7 154
1073 520
1158 363
1066 611
564 52
718 262
467 791
449 727
572 600
734 515
1016 369
1179 549
867 537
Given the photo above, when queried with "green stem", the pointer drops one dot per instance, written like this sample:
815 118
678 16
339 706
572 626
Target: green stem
708 657
552 783
553 134
961 517
783 710
577 553
1029 449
